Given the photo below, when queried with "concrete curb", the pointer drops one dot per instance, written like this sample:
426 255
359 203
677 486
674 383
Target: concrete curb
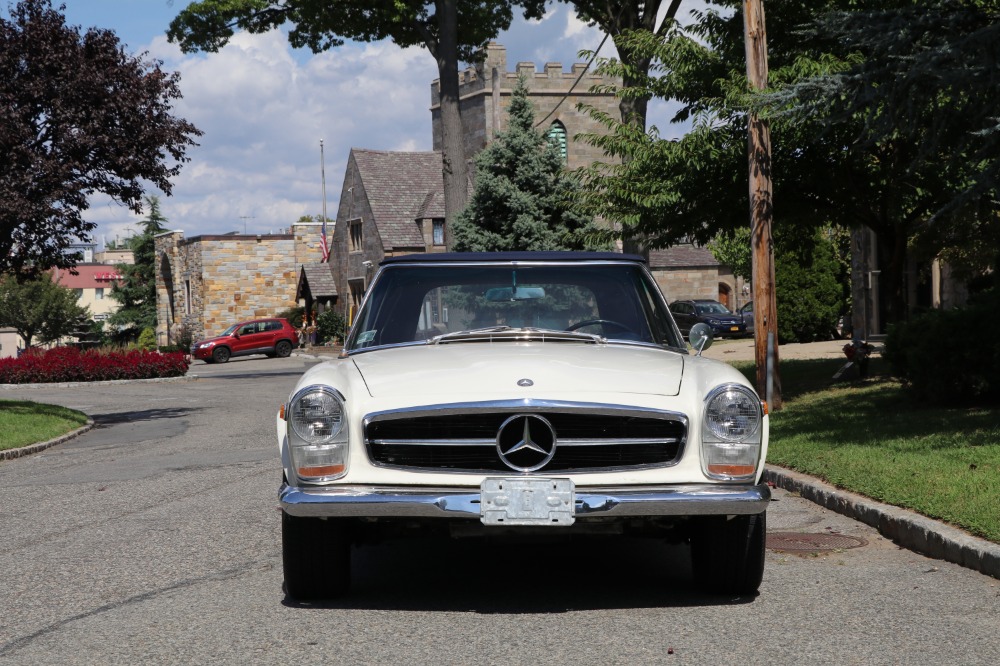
11 454
107 382
906 528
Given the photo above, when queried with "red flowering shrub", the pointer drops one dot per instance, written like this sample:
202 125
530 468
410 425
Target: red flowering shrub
69 364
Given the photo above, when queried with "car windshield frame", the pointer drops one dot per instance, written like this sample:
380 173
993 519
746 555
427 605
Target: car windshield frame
619 286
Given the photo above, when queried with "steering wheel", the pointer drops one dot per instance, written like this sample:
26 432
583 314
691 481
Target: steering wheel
600 322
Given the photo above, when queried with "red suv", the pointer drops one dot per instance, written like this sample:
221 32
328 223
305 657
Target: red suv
274 337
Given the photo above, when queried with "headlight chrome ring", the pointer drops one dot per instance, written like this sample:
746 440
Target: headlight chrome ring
316 414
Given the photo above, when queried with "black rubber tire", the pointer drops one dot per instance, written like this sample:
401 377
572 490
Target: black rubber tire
727 555
316 557
221 355
283 349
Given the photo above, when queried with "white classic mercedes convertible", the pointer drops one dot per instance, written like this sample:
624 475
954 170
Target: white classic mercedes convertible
521 393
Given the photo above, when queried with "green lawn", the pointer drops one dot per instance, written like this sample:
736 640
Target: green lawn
23 423
870 438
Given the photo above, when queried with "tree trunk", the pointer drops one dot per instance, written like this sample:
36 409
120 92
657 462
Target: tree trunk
453 159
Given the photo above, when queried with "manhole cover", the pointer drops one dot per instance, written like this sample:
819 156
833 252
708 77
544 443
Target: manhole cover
802 542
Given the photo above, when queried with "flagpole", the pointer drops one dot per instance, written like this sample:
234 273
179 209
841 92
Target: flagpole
322 170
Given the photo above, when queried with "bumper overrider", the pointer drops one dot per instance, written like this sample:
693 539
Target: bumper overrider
366 501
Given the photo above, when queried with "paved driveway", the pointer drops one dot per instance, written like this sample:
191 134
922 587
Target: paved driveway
154 538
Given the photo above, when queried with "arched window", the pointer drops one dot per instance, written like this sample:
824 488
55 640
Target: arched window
557 137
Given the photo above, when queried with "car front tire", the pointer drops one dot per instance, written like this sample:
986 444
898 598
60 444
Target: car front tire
221 355
316 557
727 555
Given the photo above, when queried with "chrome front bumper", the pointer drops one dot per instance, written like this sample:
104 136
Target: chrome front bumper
421 502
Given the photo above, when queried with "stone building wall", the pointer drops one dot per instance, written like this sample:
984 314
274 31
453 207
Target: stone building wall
687 283
485 90
206 283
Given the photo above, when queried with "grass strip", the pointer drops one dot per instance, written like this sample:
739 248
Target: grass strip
869 437
25 423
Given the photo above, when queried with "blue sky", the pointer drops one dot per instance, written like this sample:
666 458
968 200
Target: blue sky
264 109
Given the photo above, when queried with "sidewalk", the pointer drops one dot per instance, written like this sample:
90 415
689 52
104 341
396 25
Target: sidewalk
743 350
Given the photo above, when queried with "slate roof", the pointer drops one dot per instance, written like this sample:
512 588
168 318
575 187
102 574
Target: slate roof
320 279
401 187
682 256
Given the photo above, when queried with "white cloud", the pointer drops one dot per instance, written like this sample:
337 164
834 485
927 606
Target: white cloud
263 108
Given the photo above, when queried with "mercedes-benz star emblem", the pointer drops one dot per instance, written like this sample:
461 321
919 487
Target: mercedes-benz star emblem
526 442
525 382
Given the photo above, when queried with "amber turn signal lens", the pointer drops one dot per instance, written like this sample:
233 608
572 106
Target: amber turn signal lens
281 412
321 470
732 470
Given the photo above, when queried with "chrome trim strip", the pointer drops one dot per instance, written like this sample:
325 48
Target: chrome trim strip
540 406
422 502
492 442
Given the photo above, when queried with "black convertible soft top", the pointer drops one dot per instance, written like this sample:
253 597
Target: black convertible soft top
550 256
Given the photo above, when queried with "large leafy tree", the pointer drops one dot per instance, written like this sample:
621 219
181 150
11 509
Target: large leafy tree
824 173
619 20
925 77
80 116
451 30
136 291
523 197
38 307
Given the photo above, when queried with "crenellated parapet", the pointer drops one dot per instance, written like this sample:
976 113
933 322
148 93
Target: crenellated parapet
485 90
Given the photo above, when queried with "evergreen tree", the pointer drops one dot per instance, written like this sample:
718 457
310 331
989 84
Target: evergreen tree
136 291
523 195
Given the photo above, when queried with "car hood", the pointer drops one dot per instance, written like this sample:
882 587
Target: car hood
494 369
218 338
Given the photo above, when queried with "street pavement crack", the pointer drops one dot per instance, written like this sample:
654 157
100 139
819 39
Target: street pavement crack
226 574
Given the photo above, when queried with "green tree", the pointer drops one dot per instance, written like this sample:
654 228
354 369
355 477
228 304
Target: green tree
136 291
822 174
732 249
925 76
79 116
809 287
523 197
450 30
619 20
38 307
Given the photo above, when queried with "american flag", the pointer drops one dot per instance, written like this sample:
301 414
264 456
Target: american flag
325 248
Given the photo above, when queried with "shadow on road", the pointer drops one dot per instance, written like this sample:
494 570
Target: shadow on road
529 578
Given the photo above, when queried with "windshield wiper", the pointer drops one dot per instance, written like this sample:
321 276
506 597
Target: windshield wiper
473 332
521 333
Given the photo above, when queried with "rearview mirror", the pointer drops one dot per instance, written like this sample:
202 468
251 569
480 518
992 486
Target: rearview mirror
507 294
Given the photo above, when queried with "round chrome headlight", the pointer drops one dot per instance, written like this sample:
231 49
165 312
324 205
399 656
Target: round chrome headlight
733 413
316 414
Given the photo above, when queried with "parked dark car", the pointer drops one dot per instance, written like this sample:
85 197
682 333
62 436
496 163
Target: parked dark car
723 321
746 313
274 337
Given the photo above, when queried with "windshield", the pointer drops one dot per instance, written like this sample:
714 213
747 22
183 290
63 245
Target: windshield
712 308
421 303
229 331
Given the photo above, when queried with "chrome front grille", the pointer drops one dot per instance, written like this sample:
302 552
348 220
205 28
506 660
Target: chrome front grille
463 438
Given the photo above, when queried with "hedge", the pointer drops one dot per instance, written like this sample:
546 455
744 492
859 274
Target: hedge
69 364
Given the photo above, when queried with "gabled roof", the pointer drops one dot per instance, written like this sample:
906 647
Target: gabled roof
401 187
682 256
319 279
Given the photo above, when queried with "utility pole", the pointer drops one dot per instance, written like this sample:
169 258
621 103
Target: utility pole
245 218
765 310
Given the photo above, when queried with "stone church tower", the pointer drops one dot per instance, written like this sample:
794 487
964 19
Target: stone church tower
485 91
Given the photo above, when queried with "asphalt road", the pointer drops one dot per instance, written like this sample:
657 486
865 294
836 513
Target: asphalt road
154 539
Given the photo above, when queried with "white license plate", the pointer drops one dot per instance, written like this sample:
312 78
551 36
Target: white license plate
527 501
